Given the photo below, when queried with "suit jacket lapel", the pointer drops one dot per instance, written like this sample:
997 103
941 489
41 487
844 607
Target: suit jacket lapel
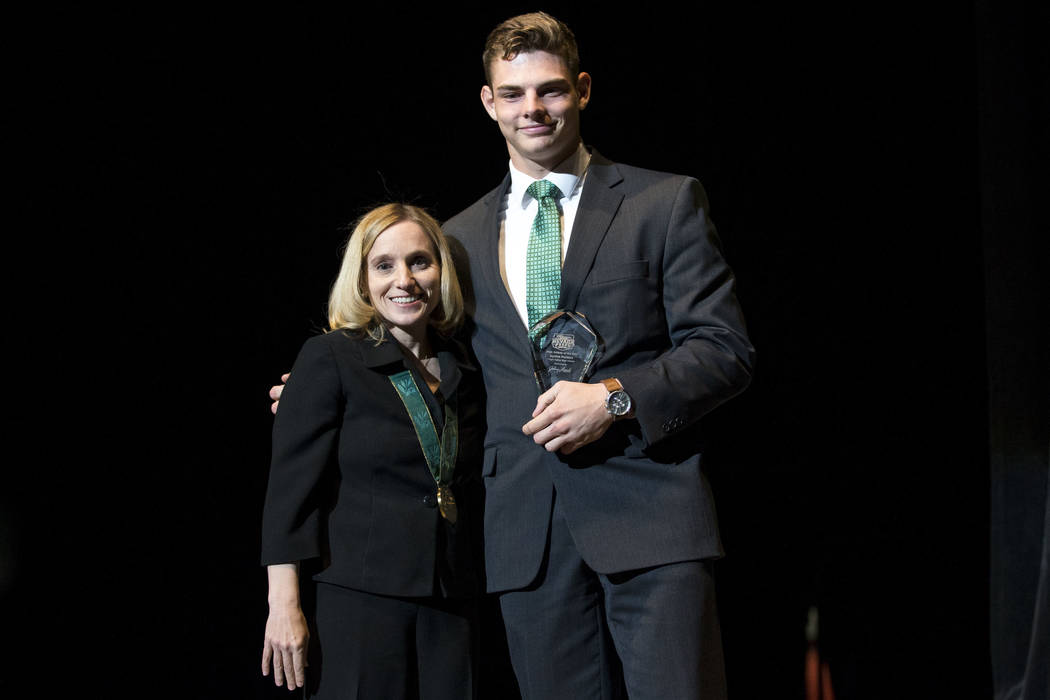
495 292
599 203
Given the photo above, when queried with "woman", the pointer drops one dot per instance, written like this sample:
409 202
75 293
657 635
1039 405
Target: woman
374 479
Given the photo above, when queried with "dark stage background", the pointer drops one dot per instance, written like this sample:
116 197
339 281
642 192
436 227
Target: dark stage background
186 176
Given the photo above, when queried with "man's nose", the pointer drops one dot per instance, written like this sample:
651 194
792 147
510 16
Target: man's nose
534 106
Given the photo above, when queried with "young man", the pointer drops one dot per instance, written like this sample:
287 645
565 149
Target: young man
599 522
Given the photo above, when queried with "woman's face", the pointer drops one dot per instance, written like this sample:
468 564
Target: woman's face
404 279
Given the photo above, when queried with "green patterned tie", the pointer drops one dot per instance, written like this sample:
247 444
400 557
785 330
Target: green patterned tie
543 259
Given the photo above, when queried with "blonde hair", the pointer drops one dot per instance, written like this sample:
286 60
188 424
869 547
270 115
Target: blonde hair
535 31
348 304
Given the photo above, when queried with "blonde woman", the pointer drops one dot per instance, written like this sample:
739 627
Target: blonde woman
374 480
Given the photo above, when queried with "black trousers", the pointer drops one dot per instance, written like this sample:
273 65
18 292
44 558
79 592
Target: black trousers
372 647
576 634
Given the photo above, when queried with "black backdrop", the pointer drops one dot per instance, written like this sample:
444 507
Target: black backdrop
186 177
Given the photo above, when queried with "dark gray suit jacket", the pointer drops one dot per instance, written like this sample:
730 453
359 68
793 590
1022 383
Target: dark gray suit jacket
644 265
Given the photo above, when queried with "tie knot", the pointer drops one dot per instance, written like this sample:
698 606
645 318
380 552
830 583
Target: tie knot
543 188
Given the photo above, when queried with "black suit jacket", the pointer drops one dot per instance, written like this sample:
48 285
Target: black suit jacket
644 264
348 481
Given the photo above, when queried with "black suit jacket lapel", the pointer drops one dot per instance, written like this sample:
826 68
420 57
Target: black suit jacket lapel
599 203
495 291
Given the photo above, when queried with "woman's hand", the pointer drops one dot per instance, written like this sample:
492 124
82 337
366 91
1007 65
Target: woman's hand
287 637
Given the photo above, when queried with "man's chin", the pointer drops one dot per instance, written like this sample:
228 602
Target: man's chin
550 152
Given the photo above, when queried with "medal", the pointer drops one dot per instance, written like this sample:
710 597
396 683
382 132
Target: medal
447 504
440 452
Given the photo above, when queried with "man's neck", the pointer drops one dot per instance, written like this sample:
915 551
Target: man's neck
539 170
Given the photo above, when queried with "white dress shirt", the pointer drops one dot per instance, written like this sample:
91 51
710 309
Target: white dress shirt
518 211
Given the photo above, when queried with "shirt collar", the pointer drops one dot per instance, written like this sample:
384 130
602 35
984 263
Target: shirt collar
566 175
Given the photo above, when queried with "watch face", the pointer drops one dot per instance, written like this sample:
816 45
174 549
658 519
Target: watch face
618 403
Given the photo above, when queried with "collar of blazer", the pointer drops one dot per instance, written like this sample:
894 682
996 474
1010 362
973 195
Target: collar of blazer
450 353
599 203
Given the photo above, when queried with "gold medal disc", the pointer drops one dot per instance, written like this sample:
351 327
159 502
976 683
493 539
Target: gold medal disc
447 504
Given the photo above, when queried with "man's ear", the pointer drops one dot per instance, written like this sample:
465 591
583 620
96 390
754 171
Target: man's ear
583 88
488 100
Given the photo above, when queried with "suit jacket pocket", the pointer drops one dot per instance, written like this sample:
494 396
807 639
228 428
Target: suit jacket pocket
631 269
488 466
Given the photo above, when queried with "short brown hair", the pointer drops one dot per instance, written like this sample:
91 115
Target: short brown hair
349 306
535 31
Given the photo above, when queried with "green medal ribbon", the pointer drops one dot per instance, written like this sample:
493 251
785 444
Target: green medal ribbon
440 454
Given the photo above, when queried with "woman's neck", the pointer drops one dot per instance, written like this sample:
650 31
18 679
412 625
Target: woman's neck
416 343
416 348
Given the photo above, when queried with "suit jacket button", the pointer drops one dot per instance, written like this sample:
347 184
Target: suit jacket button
430 500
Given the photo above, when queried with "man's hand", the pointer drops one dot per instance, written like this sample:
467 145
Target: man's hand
275 392
568 416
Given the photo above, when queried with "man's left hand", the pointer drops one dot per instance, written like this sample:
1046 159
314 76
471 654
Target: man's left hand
568 416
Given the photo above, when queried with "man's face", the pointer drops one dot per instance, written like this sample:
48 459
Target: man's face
537 106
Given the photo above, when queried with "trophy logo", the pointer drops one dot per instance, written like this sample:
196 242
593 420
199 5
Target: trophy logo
565 346
563 341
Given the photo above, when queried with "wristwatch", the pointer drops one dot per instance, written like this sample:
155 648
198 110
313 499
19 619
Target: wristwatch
617 403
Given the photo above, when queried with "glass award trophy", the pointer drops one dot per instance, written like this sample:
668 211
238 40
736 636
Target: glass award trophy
564 346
